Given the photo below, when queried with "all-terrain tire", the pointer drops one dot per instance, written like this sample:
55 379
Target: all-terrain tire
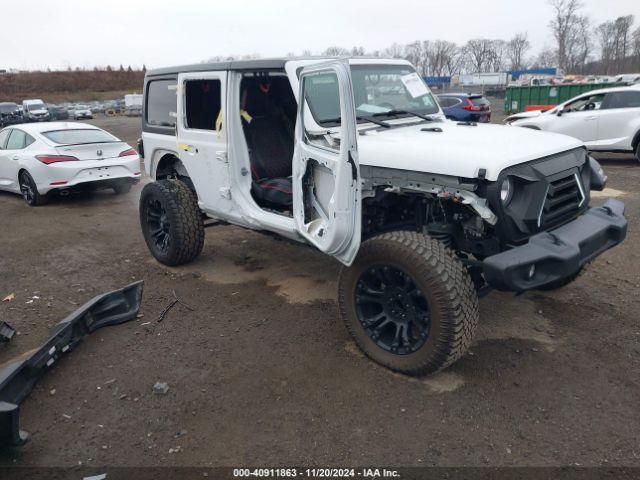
638 151
445 284
182 221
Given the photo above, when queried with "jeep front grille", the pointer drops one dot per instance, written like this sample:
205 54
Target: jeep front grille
565 196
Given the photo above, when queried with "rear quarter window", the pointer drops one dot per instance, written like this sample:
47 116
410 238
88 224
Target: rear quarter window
19 140
161 102
622 100
446 102
4 136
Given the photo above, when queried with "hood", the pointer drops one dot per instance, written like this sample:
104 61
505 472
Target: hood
458 150
40 111
521 115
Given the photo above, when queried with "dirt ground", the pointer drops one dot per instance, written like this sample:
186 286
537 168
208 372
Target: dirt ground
262 372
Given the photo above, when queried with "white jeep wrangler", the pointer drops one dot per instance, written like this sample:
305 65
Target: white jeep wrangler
355 158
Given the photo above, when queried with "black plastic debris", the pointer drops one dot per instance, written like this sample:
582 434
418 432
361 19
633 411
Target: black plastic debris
18 376
6 332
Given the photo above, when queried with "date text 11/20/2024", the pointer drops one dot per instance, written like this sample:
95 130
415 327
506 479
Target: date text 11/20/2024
316 472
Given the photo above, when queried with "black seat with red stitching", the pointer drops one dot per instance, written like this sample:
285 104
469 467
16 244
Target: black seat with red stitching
270 140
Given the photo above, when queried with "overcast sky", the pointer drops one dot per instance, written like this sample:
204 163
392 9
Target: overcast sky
53 33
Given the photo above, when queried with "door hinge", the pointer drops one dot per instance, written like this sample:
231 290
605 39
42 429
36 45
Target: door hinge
222 156
225 192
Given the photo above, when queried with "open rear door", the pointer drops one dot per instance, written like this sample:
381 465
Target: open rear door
326 178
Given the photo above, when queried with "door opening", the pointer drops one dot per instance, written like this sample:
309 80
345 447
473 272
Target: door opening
268 110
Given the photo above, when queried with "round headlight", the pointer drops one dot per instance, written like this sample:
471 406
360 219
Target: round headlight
506 191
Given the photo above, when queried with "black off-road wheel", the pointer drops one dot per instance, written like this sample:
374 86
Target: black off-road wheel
638 151
29 190
171 222
409 304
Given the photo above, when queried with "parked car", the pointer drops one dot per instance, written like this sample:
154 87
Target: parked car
117 105
422 212
78 112
58 112
605 120
97 107
35 110
465 107
628 78
36 159
10 114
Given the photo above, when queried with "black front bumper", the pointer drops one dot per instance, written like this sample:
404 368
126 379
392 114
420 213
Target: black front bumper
560 253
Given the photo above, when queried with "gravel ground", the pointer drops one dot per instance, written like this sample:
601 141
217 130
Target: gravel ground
262 372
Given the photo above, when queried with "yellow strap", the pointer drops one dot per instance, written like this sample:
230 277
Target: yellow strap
244 114
219 122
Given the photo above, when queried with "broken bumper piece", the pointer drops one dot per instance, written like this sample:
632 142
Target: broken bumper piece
6 332
18 377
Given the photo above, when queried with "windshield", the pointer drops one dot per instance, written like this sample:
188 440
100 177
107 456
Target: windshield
36 106
386 91
79 136
8 107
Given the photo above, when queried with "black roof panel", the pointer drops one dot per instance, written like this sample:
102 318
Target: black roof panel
258 64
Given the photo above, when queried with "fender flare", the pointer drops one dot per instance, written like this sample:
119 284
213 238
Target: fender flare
162 157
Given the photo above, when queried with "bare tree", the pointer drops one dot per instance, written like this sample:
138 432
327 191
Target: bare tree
478 53
547 57
416 53
636 48
444 58
580 46
394 51
606 40
564 25
617 44
497 55
336 52
483 54
517 49
622 47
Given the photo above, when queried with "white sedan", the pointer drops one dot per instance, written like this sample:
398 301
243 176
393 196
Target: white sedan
38 158
606 120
